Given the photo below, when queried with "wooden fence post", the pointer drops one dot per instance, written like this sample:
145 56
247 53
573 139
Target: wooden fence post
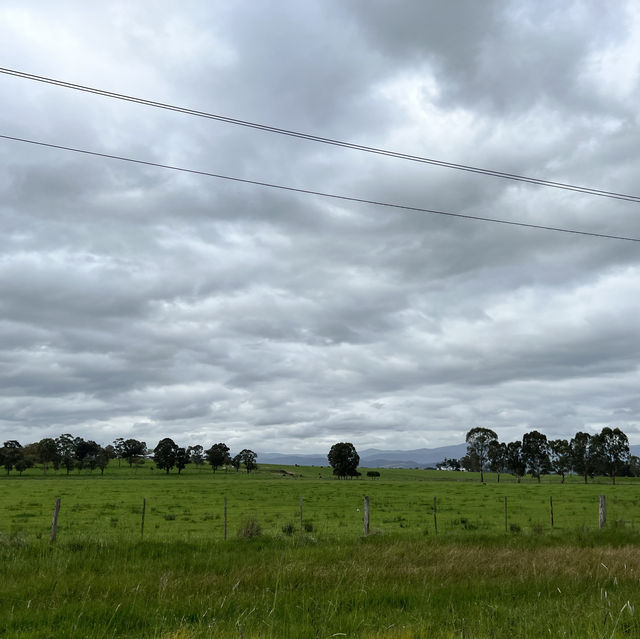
551 509
54 523
505 514
300 514
435 516
144 508
366 515
225 518
603 511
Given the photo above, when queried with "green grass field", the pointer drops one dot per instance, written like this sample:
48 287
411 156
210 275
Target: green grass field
183 580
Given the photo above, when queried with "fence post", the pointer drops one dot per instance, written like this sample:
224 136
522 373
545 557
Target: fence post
505 514
435 516
54 523
225 518
144 508
551 509
366 515
300 514
603 511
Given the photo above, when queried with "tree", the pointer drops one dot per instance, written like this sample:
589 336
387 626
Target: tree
218 455
497 456
236 462
478 440
164 454
470 462
196 455
66 451
133 449
22 463
535 453
632 468
611 451
583 455
102 458
248 458
118 449
182 459
48 453
344 459
12 454
445 464
515 463
86 452
560 456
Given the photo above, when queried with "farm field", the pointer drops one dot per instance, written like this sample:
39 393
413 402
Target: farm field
182 579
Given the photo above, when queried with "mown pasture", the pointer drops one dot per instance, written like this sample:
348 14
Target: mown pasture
182 579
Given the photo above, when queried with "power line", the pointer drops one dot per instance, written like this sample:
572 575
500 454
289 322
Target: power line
331 141
334 196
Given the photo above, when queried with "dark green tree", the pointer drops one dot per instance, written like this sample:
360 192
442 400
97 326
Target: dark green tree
611 447
560 457
132 449
102 458
12 454
196 455
66 451
118 449
445 464
583 455
86 452
344 459
497 457
515 463
218 455
470 463
248 458
182 458
48 453
164 454
236 462
535 453
478 440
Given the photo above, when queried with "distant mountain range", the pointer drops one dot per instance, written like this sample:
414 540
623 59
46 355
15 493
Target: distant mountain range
374 457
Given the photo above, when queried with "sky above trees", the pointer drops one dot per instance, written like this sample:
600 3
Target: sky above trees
138 301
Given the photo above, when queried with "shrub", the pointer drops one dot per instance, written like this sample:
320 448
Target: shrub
250 528
288 529
308 526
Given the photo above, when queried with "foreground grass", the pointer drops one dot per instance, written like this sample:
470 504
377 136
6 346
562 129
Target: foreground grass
584 584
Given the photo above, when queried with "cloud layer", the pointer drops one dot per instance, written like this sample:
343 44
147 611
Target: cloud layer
136 301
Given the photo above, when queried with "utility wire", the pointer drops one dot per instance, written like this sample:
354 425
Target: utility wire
403 207
323 140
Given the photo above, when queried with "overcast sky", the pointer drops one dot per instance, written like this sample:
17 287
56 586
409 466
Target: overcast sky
142 302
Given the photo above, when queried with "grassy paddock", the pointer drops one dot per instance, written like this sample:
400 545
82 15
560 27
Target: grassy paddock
190 506
385 586
184 581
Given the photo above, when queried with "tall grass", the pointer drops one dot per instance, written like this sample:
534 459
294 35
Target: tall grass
299 587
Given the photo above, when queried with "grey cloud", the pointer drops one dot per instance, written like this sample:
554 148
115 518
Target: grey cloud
141 302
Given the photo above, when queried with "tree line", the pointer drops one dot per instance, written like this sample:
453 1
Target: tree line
605 453
68 452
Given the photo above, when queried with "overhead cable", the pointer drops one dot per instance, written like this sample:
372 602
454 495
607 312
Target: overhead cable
324 140
403 207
